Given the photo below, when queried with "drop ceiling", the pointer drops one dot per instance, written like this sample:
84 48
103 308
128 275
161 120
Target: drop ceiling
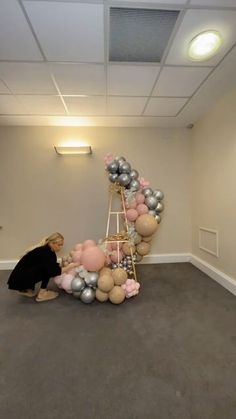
57 65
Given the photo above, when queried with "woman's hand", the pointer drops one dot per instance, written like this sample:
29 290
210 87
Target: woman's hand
68 268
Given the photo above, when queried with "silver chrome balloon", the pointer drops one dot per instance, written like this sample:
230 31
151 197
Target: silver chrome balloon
134 174
113 167
147 192
159 207
91 279
87 295
124 179
151 202
124 167
152 212
113 177
134 185
77 284
158 218
158 194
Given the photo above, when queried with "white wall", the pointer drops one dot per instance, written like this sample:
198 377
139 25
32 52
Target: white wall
214 182
42 193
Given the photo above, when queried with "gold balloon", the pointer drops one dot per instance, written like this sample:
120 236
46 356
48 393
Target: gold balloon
147 239
127 248
143 248
117 295
101 296
105 282
119 275
146 225
105 271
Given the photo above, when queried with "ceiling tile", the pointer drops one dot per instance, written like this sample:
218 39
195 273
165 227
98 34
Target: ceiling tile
68 31
17 41
126 105
9 104
131 80
180 81
27 78
196 21
86 105
164 106
42 105
76 79
3 88
162 2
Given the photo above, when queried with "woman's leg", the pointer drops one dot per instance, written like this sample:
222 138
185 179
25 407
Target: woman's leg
45 294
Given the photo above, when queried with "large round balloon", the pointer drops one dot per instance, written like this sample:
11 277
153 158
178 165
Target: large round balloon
117 295
78 284
93 259
146 225
87 295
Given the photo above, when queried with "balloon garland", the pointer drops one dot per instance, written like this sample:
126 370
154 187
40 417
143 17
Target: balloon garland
105 272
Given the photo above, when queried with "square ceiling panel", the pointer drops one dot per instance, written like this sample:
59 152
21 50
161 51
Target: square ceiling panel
164 106
17 41
42 105
80 79
3 88
27 78
127 106
68 31
140 35
80 106
180 81
10 105
130 80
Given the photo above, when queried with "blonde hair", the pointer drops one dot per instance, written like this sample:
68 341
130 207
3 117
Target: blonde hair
54 237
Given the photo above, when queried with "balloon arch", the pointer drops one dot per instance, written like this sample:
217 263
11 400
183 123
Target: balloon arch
106 270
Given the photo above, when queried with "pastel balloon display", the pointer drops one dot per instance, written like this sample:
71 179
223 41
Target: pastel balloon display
93 259
88 243
131 214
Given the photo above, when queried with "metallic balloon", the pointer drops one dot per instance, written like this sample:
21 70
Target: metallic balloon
151 202
158 194
147 192
134 174
113 167
152 212
159 207
158 218
134 185
124 179
120 159
113 177
87 295
124 167
77 284
91 279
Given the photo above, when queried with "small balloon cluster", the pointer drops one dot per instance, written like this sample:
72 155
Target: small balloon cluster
143 210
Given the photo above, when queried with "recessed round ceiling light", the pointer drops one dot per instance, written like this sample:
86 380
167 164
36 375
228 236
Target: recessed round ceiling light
204 45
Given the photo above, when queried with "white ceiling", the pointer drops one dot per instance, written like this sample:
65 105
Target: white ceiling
55 69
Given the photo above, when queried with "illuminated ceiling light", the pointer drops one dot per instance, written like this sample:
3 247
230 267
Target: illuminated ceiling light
204 45
69 150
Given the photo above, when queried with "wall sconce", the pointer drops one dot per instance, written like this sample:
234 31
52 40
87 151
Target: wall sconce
68 150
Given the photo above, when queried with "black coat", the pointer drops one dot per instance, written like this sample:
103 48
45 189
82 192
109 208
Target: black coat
37 265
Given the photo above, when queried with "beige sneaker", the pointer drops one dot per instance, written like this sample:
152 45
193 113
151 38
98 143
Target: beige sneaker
28 293
46 295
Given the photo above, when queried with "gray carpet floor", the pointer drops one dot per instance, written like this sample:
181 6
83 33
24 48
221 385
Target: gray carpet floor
168 353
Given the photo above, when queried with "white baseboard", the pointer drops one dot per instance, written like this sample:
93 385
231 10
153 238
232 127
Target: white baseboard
219 276
225 280
166 258
6 265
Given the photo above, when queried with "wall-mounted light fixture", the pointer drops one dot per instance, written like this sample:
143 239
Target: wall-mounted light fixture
204 45
72 150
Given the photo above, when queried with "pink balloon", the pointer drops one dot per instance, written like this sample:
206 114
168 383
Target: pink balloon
93 259
78 246
66 282
140 198
142 209
58 280
108 261
88 243
115 245
131 214
76 255
114 256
